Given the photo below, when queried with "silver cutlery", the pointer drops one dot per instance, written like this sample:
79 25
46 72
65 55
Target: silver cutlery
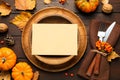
108 31
101 32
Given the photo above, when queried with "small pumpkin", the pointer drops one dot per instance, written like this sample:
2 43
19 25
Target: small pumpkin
22 71
87 6
7 58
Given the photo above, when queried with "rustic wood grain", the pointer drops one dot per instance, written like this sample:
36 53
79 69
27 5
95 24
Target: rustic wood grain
86 18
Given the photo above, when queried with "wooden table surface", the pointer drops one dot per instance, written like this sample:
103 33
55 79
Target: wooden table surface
86 18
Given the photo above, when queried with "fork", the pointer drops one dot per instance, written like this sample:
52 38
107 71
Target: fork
101 31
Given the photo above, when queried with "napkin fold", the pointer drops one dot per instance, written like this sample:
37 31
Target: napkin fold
104 65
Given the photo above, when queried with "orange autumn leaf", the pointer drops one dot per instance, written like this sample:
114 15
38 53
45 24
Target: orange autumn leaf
25 4
5 8
21 19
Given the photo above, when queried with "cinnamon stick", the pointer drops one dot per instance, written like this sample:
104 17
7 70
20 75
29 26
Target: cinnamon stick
91 67
97 64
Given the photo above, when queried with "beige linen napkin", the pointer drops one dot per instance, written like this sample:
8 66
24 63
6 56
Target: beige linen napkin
104 65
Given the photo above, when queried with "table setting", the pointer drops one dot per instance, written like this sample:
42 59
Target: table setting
59 39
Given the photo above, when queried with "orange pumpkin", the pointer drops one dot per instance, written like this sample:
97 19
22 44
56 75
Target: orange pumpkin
22 71
87 6
7 58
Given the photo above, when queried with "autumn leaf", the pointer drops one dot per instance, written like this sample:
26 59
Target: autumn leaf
21 19
5 8
25 4
113 55
5 75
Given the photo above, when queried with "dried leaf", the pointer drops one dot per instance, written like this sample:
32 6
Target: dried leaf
21 19
113 55
25 4
36 75
105 1
5 75
47 1
5 8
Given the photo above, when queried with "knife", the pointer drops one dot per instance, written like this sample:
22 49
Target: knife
108 31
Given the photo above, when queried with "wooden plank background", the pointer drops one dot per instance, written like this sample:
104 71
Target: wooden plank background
86 18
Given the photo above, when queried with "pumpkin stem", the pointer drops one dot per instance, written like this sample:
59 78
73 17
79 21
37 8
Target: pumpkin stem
3 60
22 73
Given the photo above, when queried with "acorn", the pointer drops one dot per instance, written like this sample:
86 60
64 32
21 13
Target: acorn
107 8
3 27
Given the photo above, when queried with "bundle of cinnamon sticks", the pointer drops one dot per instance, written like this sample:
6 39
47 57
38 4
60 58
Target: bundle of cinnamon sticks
94 66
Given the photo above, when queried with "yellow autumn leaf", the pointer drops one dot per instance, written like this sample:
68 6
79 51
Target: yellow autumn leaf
21 19
25 4
5 8
113 55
